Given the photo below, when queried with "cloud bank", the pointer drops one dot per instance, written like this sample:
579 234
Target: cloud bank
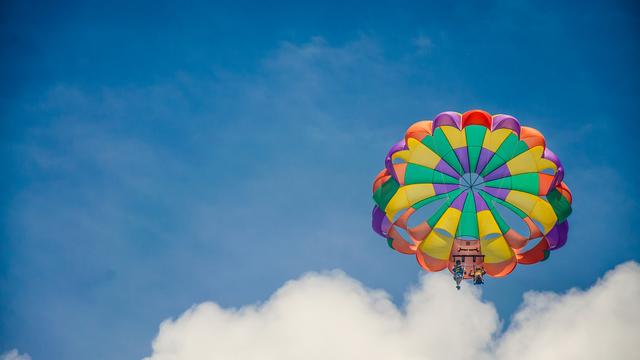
332 316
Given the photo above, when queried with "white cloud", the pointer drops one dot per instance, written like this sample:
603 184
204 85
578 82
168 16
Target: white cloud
332 316
423 44
600 323
14 355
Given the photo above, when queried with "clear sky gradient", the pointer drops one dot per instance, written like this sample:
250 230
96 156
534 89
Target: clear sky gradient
156 155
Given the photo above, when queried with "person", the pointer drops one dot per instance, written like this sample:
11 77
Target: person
477 276
458 274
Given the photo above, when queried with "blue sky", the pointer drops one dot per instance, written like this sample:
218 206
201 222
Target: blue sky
158 155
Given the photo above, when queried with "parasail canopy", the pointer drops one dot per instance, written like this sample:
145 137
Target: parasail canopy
474 188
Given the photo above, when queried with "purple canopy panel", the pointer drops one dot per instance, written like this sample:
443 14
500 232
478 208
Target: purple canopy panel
444 188
388 161
485 156
377 216
499 193
549 155
557 236
463 156
450 118
445 168
480 203
502 171
506 122
386 225
458 203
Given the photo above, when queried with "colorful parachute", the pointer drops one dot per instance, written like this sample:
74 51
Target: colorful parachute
471 179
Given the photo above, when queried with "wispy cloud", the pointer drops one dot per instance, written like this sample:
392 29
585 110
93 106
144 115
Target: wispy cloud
423 44
14 355
136 190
